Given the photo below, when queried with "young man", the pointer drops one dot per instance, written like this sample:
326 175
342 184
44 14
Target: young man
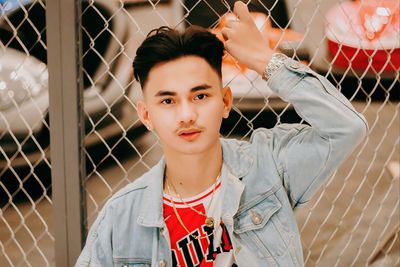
212 201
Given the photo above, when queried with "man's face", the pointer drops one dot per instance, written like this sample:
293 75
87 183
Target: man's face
184 102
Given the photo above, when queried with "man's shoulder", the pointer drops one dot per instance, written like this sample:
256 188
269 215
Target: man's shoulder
264 136
262 141
278 131
133 189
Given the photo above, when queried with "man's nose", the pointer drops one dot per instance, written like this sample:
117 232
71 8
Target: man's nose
187 113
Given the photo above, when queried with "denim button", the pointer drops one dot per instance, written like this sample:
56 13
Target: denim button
162 263
295 65
255 217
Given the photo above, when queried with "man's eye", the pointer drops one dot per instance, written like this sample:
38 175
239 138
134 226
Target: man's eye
167 101
200 97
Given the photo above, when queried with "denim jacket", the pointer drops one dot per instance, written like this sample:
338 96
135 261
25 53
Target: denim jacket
265 179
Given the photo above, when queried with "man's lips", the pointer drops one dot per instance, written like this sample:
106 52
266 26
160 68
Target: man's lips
189 134
188 131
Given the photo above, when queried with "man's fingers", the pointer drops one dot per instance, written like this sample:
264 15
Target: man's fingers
227 45
242 12
226 33
230 23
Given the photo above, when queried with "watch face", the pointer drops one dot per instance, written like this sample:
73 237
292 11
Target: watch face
277 60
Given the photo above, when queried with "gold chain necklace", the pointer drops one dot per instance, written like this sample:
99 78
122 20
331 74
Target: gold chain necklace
209 220
180 219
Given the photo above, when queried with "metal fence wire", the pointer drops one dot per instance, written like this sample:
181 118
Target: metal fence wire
26 206
354 220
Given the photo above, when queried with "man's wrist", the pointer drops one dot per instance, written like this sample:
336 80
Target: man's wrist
277 60
260 61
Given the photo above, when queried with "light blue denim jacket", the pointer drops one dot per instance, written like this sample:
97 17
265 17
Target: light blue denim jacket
265 179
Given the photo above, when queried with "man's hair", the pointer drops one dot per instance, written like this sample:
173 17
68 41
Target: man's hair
165 44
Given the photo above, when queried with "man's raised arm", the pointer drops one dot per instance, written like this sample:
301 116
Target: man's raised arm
305 156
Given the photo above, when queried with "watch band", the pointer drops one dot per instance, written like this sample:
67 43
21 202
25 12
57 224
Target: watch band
276 61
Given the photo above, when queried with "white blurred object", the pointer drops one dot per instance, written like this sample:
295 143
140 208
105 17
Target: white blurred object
394 169
365 35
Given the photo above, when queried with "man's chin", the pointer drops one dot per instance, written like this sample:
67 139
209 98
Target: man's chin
191 148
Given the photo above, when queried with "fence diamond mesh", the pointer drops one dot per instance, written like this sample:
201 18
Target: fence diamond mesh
353 220
26 206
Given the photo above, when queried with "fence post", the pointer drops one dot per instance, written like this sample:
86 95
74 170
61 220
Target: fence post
66 128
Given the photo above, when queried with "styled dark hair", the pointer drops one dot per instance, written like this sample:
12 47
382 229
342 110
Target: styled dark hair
165 44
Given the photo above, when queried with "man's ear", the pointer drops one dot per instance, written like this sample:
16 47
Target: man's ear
227 98
143 114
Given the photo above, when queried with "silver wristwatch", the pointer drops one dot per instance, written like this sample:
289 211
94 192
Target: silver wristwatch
276 61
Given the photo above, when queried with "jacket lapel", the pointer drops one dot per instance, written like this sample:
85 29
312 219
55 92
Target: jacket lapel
151 211
233 189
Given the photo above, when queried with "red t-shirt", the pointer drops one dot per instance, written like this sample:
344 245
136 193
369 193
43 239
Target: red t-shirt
214 248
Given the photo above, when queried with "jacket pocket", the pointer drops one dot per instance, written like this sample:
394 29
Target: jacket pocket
258 226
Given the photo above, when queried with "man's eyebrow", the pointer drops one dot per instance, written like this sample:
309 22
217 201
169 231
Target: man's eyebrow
165 93
200 87
193 90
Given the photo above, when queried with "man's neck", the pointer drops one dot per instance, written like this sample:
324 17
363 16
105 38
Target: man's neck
192 174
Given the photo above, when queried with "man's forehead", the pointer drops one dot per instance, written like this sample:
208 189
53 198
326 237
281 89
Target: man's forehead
182 75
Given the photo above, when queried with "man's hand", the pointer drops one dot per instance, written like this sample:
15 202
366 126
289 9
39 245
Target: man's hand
244 41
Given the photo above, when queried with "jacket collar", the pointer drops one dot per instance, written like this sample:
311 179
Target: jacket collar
151 210
237 161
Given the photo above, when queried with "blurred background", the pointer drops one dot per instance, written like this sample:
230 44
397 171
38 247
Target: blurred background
66 83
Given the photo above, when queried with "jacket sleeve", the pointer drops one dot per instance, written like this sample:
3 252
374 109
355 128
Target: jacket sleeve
307 156
98 248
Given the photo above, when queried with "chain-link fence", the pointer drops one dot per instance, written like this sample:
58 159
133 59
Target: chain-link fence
353 220
26 206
